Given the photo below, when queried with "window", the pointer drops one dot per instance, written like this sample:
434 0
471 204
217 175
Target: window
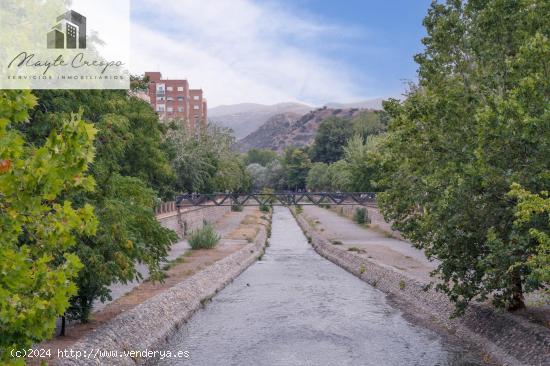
170 99
196 97
160 89
170 109
160 108
180 99
180 109
169 88
180 88
195 107
160 99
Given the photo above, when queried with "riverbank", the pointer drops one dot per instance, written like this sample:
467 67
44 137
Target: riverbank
395 268
295 308
135 320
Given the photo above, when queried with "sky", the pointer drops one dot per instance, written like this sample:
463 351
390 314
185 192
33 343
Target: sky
310 51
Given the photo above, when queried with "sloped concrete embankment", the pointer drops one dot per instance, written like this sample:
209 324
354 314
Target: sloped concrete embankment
374 215
507 339
150 324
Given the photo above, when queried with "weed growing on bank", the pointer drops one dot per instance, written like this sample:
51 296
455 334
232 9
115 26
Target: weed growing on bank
204 238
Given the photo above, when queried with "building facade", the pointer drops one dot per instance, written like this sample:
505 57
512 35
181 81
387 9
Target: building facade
172 99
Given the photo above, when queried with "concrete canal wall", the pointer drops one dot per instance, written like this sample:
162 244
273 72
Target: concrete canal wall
507 339
188 219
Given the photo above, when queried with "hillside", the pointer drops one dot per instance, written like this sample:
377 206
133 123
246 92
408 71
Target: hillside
245 118
289 129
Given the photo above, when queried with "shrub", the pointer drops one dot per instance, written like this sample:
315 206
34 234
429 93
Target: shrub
299 209
264 208
360 215
204 238
236 208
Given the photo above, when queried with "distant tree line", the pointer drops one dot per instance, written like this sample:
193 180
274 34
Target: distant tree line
340 158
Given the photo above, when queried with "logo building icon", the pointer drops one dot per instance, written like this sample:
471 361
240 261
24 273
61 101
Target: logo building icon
69 32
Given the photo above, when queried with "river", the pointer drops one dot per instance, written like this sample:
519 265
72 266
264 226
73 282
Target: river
294 307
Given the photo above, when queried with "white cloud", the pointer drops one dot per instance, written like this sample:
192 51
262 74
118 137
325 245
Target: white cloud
240 51
111 27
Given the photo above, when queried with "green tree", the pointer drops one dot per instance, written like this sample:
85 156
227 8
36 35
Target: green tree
275 175
232 175
533 215
193 161
130 138
339 177
296 165
206 163
331 137
139 83
38 223
258 173
318 177
130 168
259 156
369 123
129 234
362 162
477 122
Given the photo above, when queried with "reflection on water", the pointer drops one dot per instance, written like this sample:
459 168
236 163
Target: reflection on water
295 308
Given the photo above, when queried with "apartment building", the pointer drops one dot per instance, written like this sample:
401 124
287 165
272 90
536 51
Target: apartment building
172 99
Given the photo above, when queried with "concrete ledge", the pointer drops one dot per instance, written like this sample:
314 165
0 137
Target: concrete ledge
149 325
507 339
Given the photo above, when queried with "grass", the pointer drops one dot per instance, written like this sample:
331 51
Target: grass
336 242
402 285
379 230
181 259
249 220
357 250
362 269
204 238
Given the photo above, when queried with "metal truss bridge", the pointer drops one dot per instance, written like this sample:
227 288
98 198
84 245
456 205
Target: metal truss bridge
276 199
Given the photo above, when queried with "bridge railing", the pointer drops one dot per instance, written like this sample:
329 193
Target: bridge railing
277 198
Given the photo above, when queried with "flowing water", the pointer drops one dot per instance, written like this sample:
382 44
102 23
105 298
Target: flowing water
295 308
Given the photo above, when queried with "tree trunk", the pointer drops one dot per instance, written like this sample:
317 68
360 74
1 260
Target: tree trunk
516 299
62 332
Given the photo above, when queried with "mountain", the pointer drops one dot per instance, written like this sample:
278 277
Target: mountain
365 104
266 136
245 118
291 129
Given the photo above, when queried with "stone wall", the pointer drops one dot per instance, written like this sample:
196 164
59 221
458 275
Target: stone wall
189 219
508 339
